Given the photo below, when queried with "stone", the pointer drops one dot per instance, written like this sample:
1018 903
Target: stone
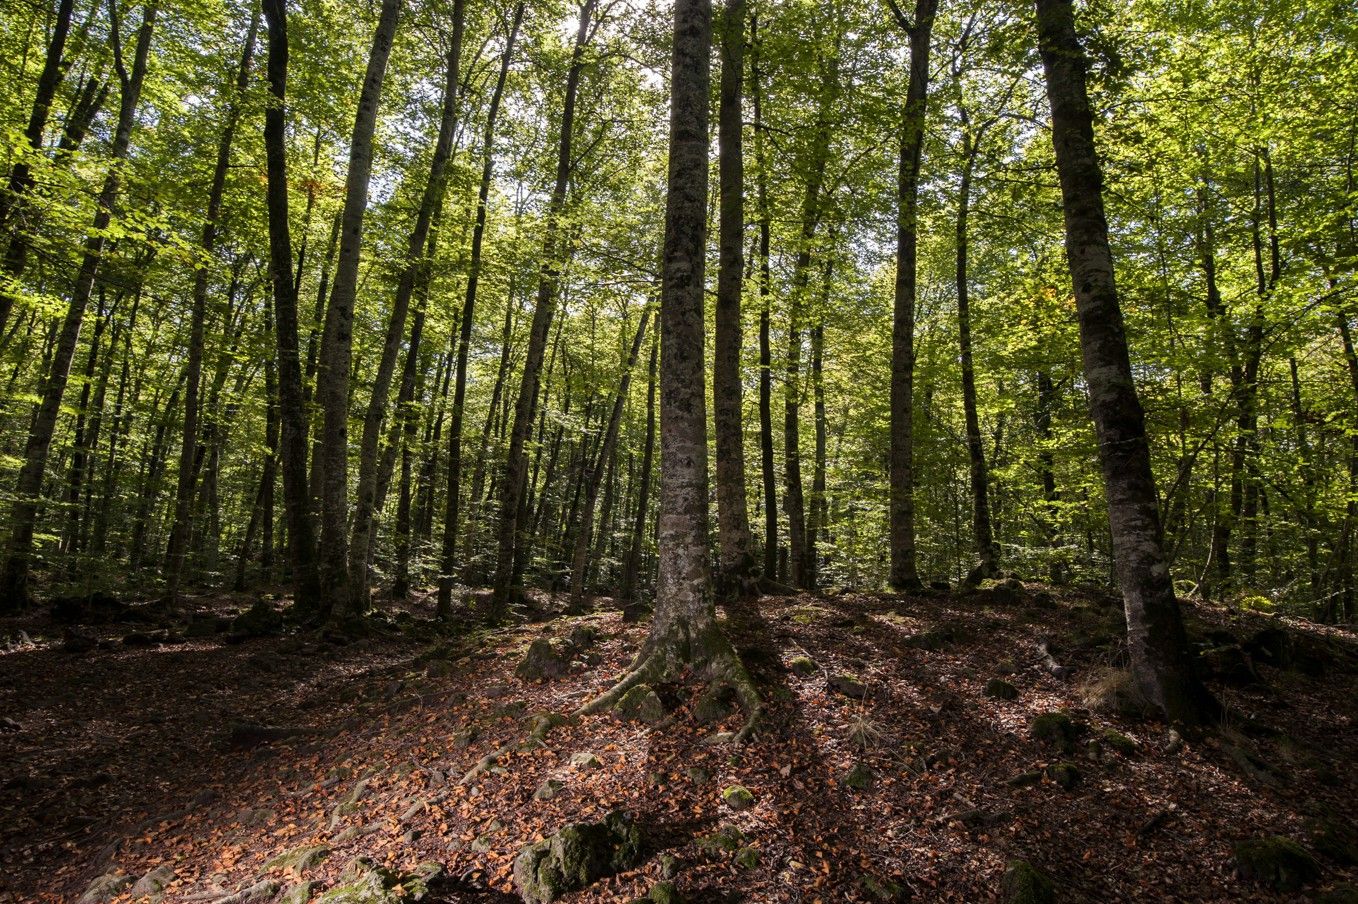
713 705
1001 689
747 857
1229 664
802 666
548 789
726 839
1024 883
847 685
543 660
1117 741
737 797
298 894
585 759
577 855
106 888
1024 779
299 859
664 893
698 775
1055 729
260 620
640 704
486 840
583 635
153 884
859 778
364 882
465 737
1065 775
1277 862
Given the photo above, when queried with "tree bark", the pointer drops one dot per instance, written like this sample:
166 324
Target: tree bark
293 431
14 590
904 569
769 478
1157 643
632 564
336 359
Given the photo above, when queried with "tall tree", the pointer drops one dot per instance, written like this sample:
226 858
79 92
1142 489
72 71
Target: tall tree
1156 640
14 589
904 568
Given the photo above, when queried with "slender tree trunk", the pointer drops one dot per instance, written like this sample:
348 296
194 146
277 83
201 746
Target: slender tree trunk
483 450
360 551
817 520
179 532
448 559
1156 639
336 360
769 478
904 570
79 442
632 564
14 590
737 575
516 466
584 518
293 433
1046 463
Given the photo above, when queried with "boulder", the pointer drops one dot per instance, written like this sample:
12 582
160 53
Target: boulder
1001 689
260 620
726 839
1335 839
802 666
747 857
847 685
738 797
1024 883
364 882
585 759
577 855
640 704
74 640
298 894
544 660
105 888
95 608
1277 862
153 884
1064 775
1055 729
548 789
1229 664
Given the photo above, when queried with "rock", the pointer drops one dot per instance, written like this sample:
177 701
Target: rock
737 797
260 620
1055 729
940 585
486 840
859 778
1003 594
97 608
261 891
728 838
1024 779
153 884
544 660
713 705
879 888
1065 775
465 737
1024 883
585 759
1117 741
1277 862
717 738
298 894
364 882
299 859
577 855
105 888
640 704
664 893
1043 600
1229 664
582 636
1001 689
847 685
747 857
548 789
803 666
698 775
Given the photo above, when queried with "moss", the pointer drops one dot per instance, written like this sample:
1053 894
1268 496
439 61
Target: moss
859 778
728 838
1118 741
576 856
298 894
848 685
368 883
664 893
640 704
747 857
1065 775
1024 883
548 789
1001 689
1055 729
1340 894
737 797
543 659
299 859
802 666
1277 862
713 705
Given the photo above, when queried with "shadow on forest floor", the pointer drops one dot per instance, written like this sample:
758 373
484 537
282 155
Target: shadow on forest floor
124 758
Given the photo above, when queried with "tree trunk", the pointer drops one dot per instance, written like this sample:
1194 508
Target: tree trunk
336 359
768 475
516 465
904 570
360 549
1156 639
179 532
293 431
14 590
736 577
632 564
448 557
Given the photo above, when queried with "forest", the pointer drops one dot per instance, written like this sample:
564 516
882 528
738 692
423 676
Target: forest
656 450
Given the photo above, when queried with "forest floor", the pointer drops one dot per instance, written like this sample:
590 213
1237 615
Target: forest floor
210 758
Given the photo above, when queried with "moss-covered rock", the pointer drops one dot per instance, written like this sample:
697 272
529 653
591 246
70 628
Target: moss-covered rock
1117 741
737 797
640 704
1065 775
152 885
549 788
747 857
1024 779
1277 862
106 888
364 882
714 704
298 894
298 859
848 685
260 620
664 893
802 666
727 838
576 856
585 759
1024 883
1340 894
859 778
1000 689
543 660
1056 729
880 888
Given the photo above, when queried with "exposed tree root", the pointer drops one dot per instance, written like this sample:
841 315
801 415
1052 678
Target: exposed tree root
543 723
